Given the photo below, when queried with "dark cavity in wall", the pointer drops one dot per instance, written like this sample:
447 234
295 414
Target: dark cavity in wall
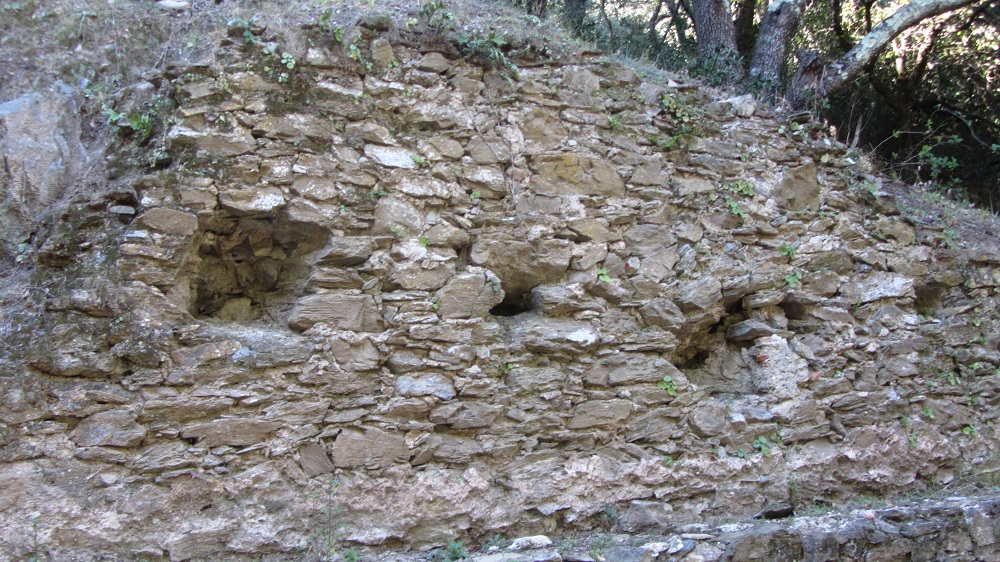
514 303
929 298
248 265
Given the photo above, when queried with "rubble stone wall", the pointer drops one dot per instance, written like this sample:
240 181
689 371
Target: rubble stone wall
446 302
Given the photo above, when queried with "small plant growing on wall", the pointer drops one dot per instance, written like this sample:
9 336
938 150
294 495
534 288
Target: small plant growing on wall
667 383
488 49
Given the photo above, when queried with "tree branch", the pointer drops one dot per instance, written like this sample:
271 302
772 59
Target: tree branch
844 69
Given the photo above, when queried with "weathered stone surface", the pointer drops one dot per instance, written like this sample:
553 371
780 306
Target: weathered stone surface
347 251
167 409
391 156
115 428
470 294
581 79
369 448
569 174
314 460
777 369
293 126
467 415
425 385
523 265
433 62
799 189
599 413
252 200
629 368
222 145
382 54
344 311
297 413
877 285
700 294
230 431
549 335
169 221
749 330
525 543
708 421
561 300
395 216
531 379
461 418
42 156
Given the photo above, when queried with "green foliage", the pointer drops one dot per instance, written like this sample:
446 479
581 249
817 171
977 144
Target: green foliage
794 278
734 207
608 517
454 550
424 241
667 383
597 546
488 50
142 125
762 444
326 21
497 541
941 71
36 551
355 53
112 116
437 15
739 187
970 432
420 161
685 116
788 251
614 124
602 275
793 131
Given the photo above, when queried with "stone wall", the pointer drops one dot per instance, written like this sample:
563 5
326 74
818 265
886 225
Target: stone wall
441 301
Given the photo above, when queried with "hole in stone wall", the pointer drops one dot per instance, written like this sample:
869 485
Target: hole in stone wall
794 310
513 304
929 298
693 361
247 263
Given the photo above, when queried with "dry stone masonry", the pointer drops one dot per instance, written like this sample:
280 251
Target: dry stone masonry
445 303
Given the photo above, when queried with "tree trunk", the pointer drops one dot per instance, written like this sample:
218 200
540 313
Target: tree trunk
713 25
845 69
746 29
776 30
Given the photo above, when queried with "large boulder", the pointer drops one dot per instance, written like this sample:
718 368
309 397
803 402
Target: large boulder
41 155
